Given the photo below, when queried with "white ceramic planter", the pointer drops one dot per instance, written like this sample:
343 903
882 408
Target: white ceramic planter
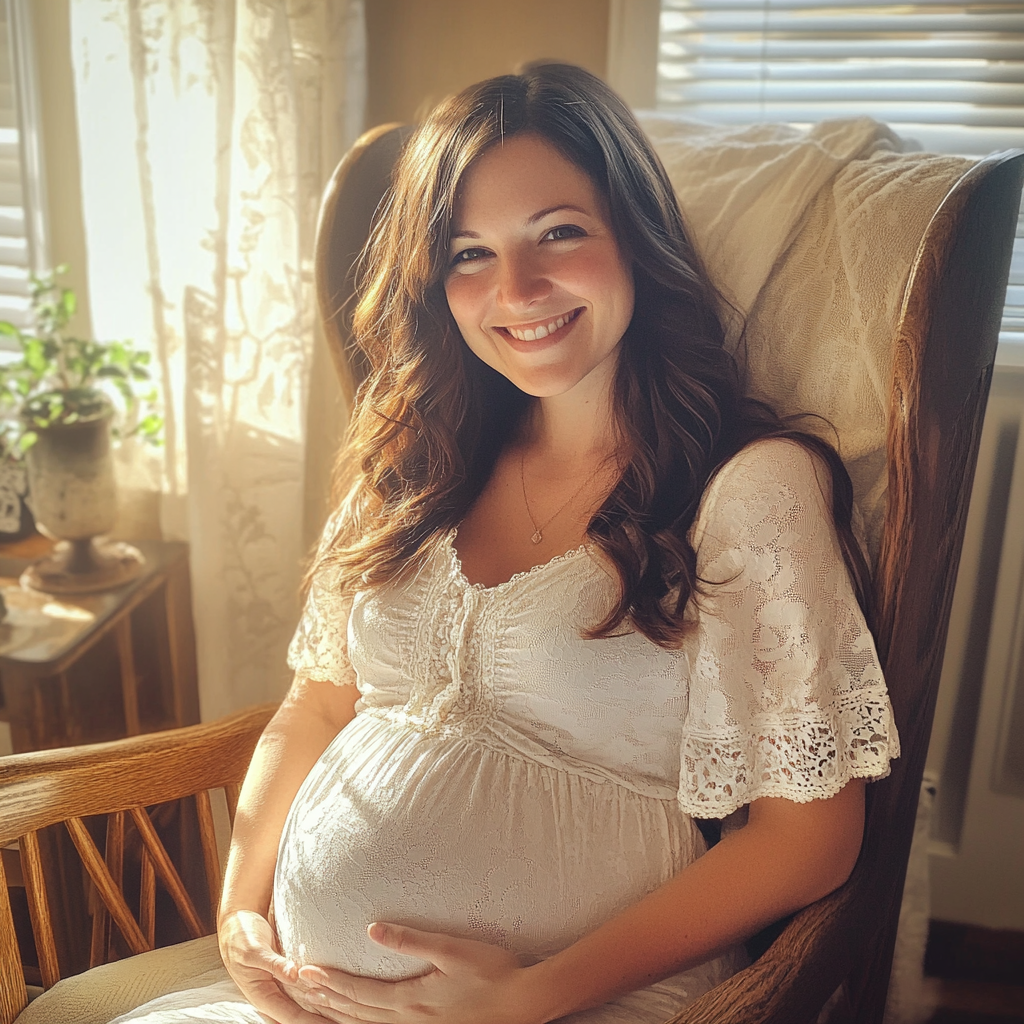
71 479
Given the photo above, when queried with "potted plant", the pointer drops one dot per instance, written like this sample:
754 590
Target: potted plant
63 400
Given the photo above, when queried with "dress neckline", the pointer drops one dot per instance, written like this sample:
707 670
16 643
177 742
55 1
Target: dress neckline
456 566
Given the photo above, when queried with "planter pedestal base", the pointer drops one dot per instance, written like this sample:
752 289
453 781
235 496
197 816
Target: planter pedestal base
84 567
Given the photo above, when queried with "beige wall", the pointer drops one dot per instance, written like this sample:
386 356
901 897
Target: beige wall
422 50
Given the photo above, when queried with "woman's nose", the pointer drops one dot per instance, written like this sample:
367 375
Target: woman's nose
521 283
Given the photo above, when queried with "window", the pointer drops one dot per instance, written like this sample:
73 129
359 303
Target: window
22 202
947 75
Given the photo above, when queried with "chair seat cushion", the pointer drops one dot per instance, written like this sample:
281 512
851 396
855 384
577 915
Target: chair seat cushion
99 995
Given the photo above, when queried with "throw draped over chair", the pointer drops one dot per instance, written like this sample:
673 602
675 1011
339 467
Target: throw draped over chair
943 341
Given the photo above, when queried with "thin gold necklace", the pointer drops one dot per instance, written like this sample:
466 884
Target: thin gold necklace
538 530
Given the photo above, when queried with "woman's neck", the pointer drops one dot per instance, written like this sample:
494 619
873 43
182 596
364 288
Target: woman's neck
578 426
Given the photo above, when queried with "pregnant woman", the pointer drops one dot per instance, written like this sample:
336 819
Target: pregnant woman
577 593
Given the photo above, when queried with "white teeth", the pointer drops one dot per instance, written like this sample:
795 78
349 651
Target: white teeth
536 333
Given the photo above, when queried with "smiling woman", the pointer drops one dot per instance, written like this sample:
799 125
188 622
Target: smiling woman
577 593
540 298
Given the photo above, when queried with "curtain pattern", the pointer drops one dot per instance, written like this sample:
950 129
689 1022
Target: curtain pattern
207 130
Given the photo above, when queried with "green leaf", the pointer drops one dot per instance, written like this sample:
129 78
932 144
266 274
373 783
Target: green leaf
125 389
53 382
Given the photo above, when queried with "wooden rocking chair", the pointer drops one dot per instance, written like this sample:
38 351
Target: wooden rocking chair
943 357
944 349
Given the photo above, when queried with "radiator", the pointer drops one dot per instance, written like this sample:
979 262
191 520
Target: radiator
977 746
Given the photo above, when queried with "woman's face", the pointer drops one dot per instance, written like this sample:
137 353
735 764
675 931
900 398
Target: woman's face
536 280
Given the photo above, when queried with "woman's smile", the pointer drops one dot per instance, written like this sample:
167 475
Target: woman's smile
537 282
540 330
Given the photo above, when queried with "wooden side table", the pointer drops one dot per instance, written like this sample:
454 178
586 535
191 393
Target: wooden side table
98 666
88 668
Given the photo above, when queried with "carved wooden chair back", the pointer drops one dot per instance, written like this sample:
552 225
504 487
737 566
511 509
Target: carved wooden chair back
125 781
944 350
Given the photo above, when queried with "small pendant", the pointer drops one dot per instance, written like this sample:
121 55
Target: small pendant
537 537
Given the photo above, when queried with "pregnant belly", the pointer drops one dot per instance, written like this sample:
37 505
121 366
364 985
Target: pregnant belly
455 836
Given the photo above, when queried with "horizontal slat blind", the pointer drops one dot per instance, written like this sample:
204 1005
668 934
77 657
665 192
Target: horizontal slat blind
947 75
14 258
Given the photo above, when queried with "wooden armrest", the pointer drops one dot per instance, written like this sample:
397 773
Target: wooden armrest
44 787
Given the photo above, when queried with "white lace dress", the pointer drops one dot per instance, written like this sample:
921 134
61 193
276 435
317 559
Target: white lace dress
506 780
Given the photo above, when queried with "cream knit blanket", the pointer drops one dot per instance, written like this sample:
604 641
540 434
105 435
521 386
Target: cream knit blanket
810 237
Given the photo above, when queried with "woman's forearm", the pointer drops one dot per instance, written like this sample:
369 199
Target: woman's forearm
309 718
786 857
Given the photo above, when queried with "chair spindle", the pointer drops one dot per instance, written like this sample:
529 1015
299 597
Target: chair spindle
211 859
147 898
106 885
231 792
167 873
39 908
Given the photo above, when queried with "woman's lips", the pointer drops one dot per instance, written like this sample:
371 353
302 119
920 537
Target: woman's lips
546 332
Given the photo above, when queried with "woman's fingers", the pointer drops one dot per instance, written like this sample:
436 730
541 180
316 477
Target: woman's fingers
262 958
349 992
275 1004
433 947
334 1007
450 954
470 983
249 950
264 994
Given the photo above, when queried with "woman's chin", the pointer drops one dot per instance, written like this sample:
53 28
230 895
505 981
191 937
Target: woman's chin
552 380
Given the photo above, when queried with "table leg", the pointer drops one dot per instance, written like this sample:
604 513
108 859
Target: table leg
181 643
33 710
129 682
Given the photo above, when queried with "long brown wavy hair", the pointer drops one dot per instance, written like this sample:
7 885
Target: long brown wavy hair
431 418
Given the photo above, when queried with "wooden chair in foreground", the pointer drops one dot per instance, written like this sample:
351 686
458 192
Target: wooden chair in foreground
121 780
944 348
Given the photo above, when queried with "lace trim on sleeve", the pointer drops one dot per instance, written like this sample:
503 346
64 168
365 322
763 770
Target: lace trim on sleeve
786 697
319 648
799 757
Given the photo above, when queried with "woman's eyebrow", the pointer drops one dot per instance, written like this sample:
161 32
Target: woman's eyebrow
539 215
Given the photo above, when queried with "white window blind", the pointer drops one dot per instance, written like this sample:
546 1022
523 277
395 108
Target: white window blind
22 188
14 261
947 75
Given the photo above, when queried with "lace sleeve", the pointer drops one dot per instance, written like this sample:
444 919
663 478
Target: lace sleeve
319 648
786 692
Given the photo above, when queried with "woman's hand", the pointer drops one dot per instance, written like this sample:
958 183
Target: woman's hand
308 720
248 947
471 983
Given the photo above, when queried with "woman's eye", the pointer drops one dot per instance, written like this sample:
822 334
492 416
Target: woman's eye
564 231
468 256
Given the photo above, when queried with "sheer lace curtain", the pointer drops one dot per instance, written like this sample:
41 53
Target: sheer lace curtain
207 130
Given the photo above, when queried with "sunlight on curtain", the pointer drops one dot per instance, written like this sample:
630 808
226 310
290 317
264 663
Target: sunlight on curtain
207 131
